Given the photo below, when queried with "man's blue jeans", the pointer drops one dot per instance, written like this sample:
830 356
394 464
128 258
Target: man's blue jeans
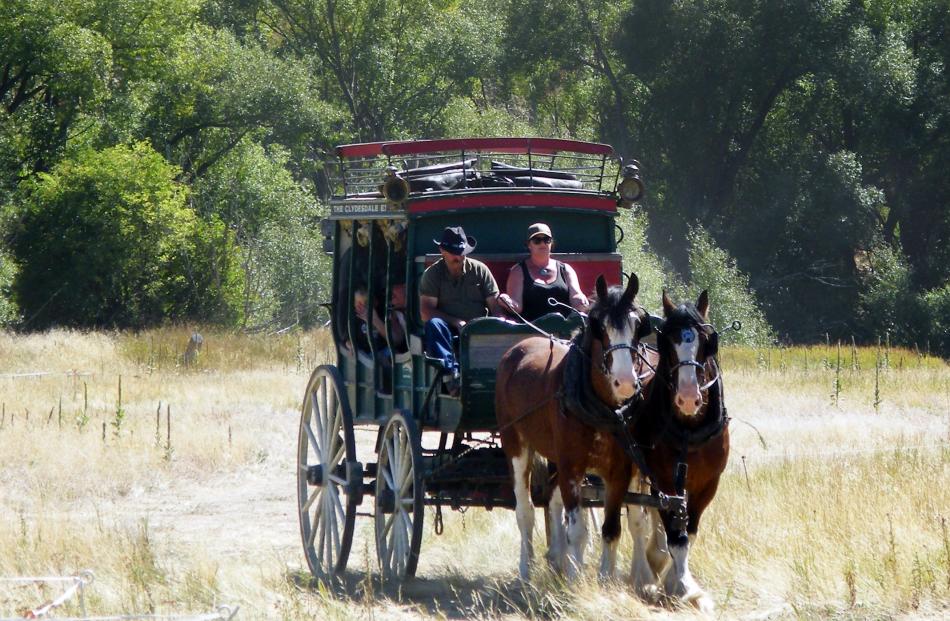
439 343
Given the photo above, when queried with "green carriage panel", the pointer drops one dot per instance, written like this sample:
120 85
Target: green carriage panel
482 344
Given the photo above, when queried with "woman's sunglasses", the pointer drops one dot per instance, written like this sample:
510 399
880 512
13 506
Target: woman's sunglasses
541 239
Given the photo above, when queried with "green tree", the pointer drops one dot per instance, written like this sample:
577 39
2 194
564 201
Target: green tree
711 268
563 59
391 65
276 223
107 239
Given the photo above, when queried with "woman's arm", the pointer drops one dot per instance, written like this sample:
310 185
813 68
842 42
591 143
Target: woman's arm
514 289
578 300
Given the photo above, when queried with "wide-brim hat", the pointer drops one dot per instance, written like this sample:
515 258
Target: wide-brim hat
455 240
539 228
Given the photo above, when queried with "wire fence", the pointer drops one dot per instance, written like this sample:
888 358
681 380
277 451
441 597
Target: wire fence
75 588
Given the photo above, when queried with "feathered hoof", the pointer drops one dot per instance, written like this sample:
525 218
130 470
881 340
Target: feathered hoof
701 601
649 593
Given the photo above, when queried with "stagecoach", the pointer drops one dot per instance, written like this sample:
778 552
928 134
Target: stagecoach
434 448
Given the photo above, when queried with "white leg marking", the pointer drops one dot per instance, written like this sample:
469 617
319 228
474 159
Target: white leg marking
524 510
558 546
640 521
608 558
658 553
576 524
683 584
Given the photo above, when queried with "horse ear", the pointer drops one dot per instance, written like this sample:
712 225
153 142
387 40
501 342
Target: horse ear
702 306
668 306
601 287
633 285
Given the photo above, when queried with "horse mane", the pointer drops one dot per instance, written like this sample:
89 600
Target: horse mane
684 314
609 311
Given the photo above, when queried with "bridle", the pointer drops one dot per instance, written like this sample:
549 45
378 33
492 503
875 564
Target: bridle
636 351
712 340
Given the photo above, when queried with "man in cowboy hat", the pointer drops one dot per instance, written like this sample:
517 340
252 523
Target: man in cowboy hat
454 290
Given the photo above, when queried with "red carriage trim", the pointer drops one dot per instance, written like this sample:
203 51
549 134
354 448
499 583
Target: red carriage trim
541 146
362 149
526 199
497 145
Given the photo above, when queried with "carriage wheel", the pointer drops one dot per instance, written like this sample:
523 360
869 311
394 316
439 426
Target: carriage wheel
329 479
399 499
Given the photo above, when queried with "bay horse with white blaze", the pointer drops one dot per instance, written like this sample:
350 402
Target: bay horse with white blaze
537 380
685 423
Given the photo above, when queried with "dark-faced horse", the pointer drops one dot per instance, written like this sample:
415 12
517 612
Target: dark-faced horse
685 423
530 405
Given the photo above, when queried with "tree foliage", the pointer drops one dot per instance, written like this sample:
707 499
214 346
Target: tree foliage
107 239
808 140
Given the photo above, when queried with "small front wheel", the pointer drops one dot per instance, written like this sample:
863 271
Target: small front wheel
399 498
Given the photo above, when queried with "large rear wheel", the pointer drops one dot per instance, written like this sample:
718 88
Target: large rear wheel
399 498
329 479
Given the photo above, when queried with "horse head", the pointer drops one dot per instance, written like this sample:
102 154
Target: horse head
617 323
686 342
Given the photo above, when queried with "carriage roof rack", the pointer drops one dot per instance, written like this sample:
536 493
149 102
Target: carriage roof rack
471 164
538 146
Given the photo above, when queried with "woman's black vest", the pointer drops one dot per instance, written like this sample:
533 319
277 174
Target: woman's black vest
534 297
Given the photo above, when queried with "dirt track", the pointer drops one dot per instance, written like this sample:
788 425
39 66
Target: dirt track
248 518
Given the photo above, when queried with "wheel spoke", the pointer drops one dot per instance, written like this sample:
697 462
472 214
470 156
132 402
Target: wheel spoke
406 454
402 554
394 467
325 396
337 505
404 487
389 553
396 457
315 523
333 528
388 524
314 444
338 456
317 417
336 540
313 496
388 477
335 424
333 407
328 527
406 522
321 537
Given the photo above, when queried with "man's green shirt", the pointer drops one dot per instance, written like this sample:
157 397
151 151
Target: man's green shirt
462 297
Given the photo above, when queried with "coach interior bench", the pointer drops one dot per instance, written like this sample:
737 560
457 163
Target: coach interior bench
483 342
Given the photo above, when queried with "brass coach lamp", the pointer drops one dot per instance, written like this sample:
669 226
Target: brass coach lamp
394 189
631 188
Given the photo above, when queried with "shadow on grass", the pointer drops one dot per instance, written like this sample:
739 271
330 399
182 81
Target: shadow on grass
449 596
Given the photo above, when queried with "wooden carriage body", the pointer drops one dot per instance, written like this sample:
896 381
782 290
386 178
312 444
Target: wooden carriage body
582 218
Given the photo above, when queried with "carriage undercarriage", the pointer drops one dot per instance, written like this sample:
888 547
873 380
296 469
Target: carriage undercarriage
471 472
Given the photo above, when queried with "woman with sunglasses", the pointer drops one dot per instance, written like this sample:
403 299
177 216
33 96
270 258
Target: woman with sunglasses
539 277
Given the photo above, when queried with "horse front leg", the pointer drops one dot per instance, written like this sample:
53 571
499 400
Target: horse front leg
610 531
679 580
575 520
557 544
643 523
524 509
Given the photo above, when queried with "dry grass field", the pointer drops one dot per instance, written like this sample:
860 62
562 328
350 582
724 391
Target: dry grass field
836 503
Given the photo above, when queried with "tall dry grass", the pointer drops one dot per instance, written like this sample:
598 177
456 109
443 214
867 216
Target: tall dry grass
835 502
